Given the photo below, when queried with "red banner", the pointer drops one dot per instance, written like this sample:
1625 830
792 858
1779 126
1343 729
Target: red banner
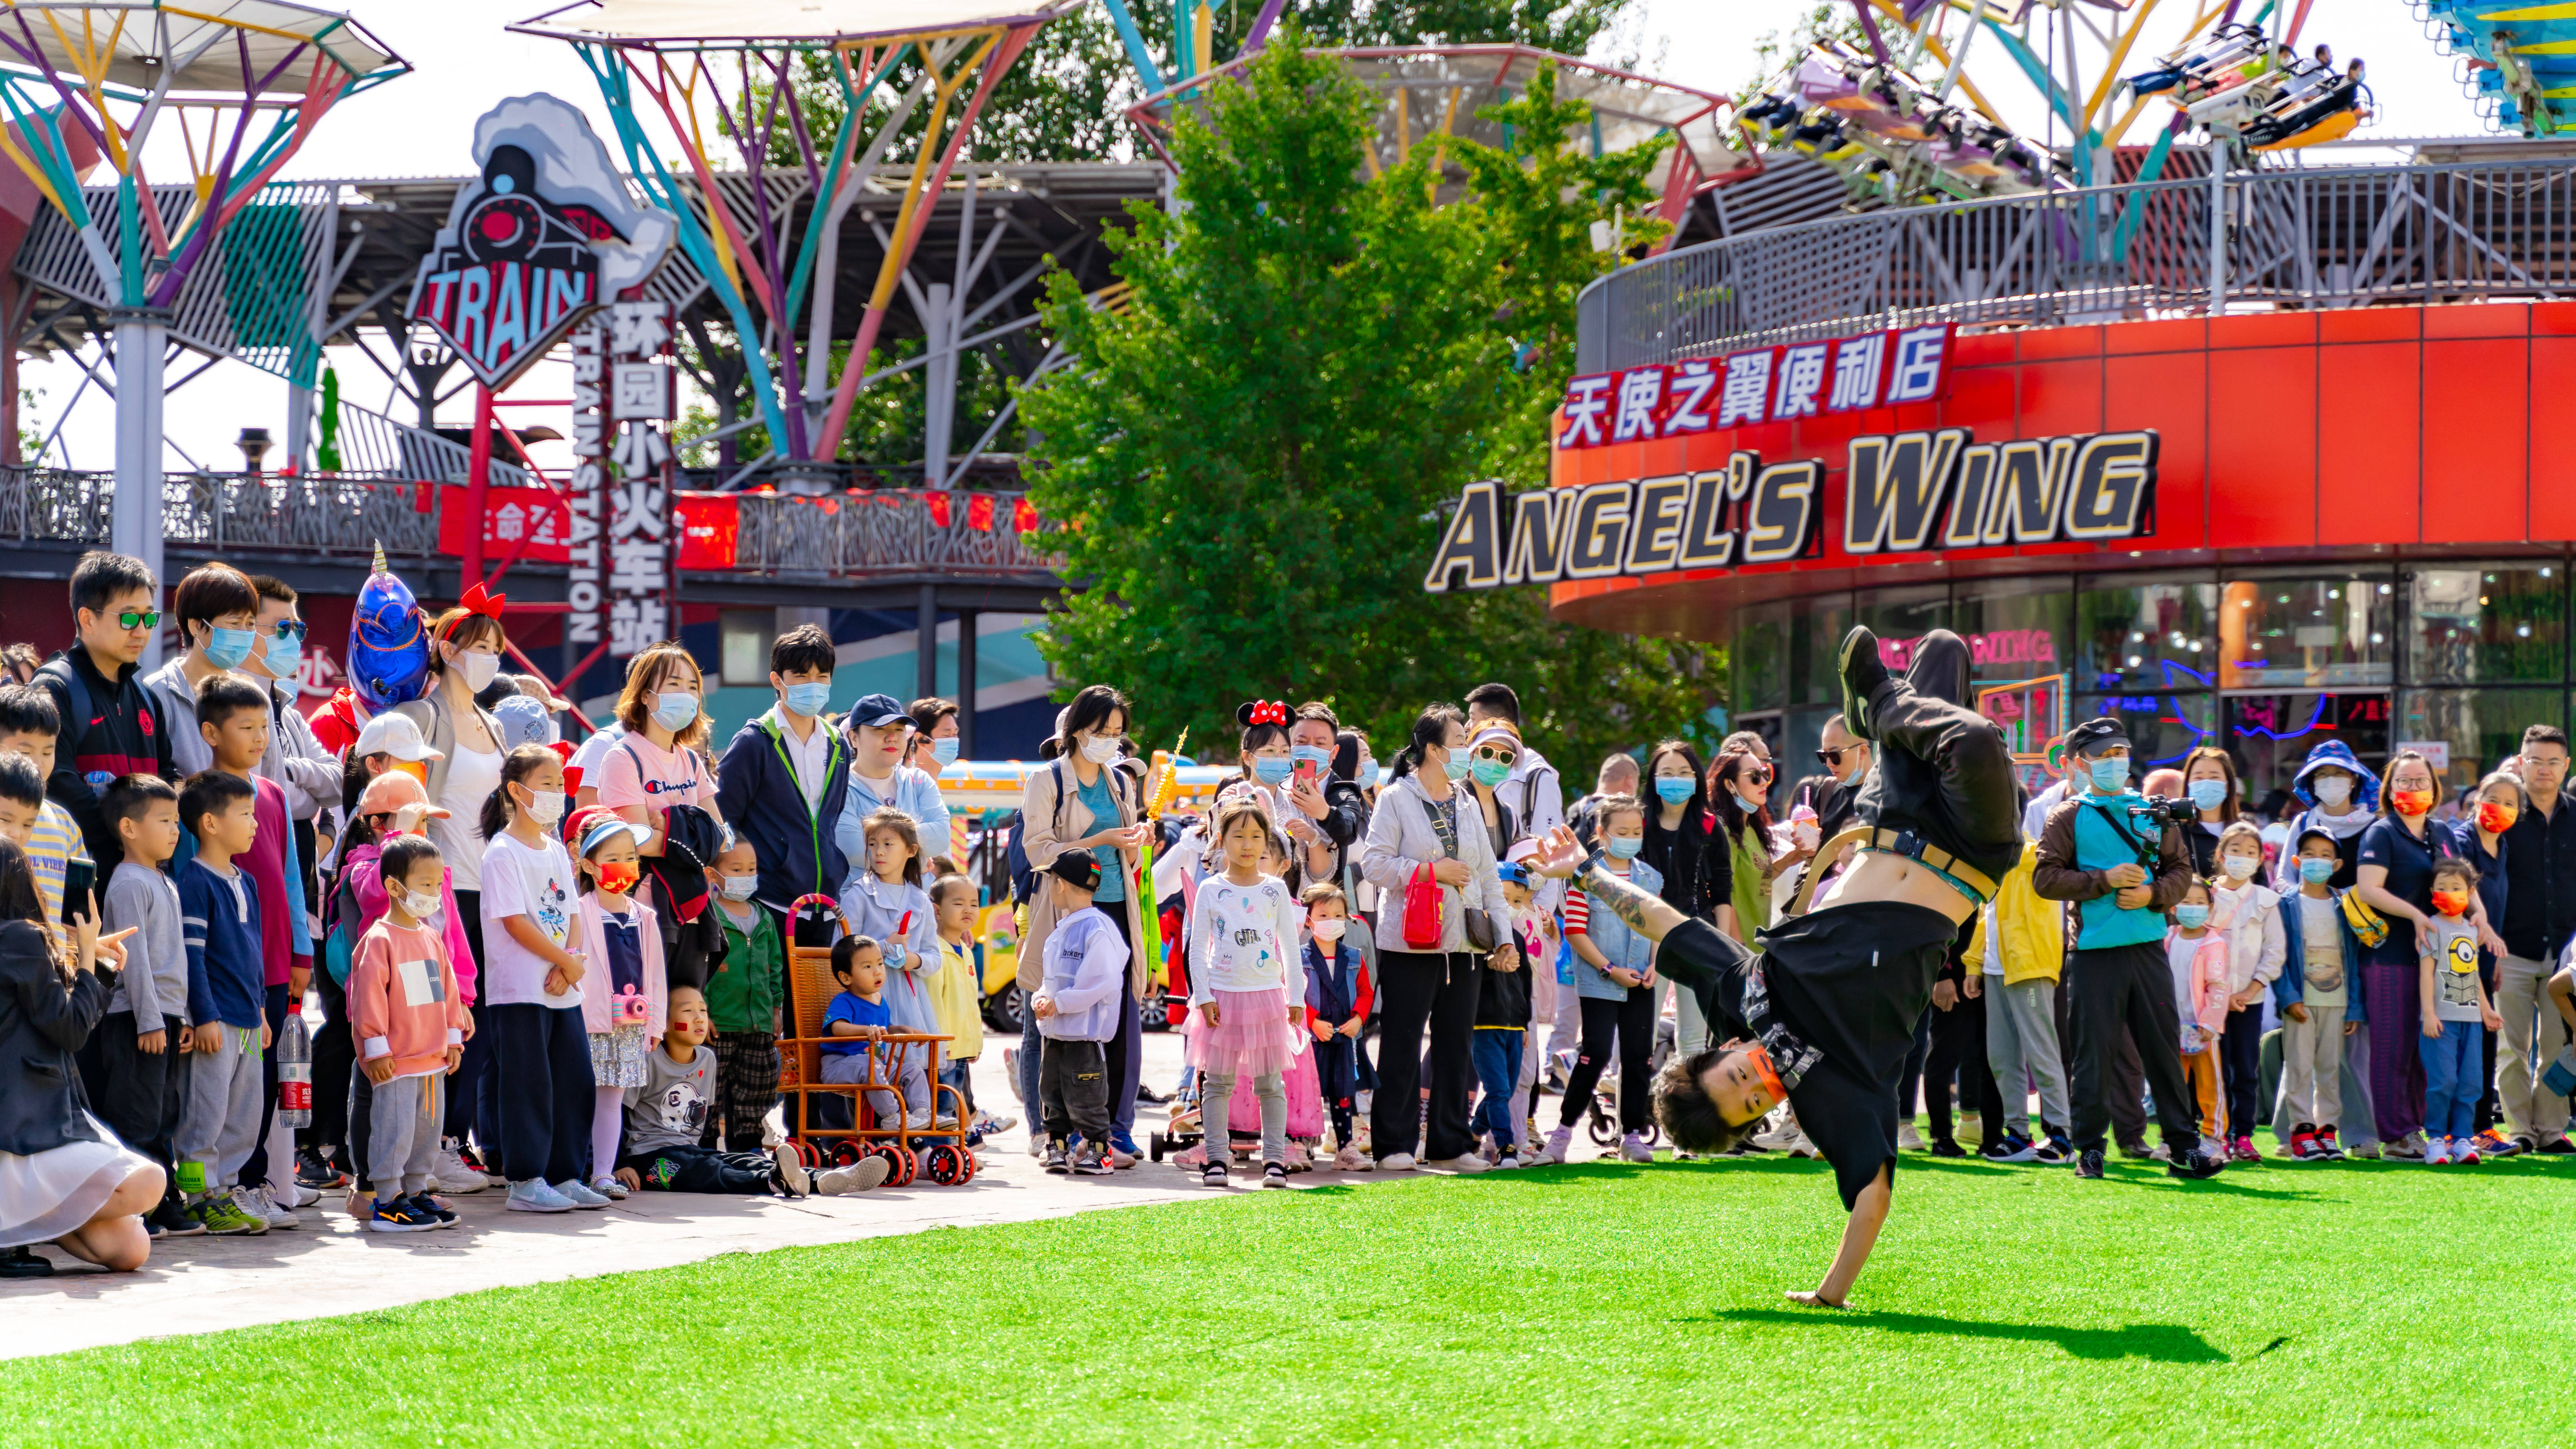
709 523
509 515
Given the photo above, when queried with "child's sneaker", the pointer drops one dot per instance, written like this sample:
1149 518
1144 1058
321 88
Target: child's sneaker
1908 1139
1509 1160
1947 1147
2437 1151
791 1171
2302 1145
1274 1174
2332 1146
1213 1173
1056 1160
2009 1146
1633 1148
2241 1149
1091 1160
1560 1140
2464 1151
224 1218
859 1176
1352 1159
534 1196
580 1196
439 1212
2492 1143
258 1202
172 1218
315 1171
2055 1152
609 1188
401 1215
450 1173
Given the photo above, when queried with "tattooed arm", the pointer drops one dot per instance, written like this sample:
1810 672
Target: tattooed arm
1560 854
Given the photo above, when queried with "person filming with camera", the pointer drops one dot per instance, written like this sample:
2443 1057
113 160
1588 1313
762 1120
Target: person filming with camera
2096 850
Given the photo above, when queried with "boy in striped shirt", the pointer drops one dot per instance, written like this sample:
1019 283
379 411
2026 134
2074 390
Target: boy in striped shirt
29 725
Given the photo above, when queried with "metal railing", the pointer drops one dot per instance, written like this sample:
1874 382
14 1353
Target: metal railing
887 532
2288 239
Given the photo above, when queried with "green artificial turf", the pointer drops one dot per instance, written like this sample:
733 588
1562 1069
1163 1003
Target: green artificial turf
2361 1304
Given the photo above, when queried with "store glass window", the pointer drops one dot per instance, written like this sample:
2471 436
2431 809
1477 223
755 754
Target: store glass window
2486 624
1802 733
1901 617
2308 632
2146 633
1759 661
2271 735
1816 630
2468 732
2162 728
2015 628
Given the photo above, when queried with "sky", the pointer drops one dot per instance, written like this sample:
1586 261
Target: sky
464 62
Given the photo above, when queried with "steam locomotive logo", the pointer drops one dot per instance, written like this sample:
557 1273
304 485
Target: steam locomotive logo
548 233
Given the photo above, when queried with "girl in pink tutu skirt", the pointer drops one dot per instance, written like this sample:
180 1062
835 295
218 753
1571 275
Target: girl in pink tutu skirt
1247 992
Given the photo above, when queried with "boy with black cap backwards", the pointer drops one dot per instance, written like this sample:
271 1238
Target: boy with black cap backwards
1076 1008
1825 1015
2117 978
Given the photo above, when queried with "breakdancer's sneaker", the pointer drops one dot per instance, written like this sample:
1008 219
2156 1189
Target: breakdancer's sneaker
2199 1162
1861 672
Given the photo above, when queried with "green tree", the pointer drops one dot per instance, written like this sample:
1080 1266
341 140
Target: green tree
1254 458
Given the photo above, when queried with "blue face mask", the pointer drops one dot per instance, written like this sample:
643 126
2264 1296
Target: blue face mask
1455 767
1625 847
944 751
2192 918
2110 776
1271 769
674 709
227 648
1322 760
2315 871
2206 794
808 699
1672 789
1489 773
284 656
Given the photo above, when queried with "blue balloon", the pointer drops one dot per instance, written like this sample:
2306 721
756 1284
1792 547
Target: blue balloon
388 642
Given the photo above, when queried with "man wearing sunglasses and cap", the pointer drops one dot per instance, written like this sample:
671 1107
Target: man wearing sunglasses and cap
1824 1016
2117 980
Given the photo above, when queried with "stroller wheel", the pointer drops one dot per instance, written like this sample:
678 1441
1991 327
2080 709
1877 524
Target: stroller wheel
974 1165
1156 1144
907 1167
1603 1130
847 1152
945 1165
811 1155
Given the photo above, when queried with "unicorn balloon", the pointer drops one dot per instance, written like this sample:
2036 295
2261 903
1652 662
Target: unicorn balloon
388 642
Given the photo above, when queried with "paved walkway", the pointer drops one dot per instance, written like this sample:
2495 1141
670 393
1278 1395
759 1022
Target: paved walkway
329 1266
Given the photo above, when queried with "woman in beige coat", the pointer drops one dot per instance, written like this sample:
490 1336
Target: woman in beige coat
1085 800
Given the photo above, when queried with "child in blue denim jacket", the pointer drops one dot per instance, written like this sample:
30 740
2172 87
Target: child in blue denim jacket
2319 994
1614 975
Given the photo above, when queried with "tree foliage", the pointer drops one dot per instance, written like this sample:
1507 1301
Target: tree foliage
1255 457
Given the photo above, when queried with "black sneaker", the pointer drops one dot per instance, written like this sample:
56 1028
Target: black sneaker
422 1202
2090 1163
2557 1147
2137 1148
1861 672
1274 1174
1944 1147
173 1220
1092 1160
1055 1157
2197 1164
24 1263
315 1171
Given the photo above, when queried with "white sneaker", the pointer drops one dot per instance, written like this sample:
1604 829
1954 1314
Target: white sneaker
1351 1159
1907 1138
1397 1162
1466 1162
1633 1148
1779 1139
1799 1146
2409 1148
450 1174
1560 1140
609 1188
2437 1151
1510 1160
534 1196
792 1171
259 1202
859 1176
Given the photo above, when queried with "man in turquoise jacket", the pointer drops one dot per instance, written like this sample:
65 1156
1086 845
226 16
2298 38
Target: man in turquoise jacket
2091 852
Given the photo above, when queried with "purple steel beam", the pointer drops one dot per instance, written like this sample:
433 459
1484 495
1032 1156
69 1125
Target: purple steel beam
1261 23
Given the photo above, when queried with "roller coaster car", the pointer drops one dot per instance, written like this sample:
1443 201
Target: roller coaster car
2330 117
1890 134
2212 65
2523 87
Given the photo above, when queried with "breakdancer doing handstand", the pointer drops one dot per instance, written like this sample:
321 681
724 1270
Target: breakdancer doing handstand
1825 1014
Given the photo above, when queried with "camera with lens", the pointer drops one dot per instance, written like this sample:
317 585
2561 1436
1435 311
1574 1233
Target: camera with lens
2159 811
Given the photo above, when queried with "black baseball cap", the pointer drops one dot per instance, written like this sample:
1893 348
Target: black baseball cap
1078 867
2096 735
876 711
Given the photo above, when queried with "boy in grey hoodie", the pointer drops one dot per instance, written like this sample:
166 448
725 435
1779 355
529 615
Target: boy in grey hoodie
143 1039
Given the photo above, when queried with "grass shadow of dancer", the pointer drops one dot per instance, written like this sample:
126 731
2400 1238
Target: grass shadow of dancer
2159 1342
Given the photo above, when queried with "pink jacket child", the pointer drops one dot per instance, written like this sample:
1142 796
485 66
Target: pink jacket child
365 872
404 1001
2201 994
598 1007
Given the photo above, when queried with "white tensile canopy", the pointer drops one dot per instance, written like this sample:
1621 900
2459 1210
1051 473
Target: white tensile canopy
721 21
222 47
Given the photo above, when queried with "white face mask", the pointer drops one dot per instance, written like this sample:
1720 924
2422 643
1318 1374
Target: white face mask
2240 867
478 669
740 887
422 904
2333 791
545 806
1327 930
1100 749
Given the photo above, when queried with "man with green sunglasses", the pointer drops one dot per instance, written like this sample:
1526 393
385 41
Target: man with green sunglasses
111 726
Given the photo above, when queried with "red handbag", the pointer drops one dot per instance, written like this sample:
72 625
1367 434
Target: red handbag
1425 911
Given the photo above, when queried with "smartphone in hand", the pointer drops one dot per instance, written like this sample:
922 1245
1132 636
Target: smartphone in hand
1305 772
79 876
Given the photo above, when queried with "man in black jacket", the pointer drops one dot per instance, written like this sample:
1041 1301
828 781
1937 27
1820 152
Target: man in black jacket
111 728
1334 812
2539 917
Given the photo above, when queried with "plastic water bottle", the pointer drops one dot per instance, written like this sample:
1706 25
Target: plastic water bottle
294 1073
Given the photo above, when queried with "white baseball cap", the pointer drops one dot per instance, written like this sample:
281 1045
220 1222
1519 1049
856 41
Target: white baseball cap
394 734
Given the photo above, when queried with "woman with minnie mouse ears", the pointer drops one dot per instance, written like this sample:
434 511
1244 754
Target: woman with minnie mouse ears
1263 751
1824 1016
